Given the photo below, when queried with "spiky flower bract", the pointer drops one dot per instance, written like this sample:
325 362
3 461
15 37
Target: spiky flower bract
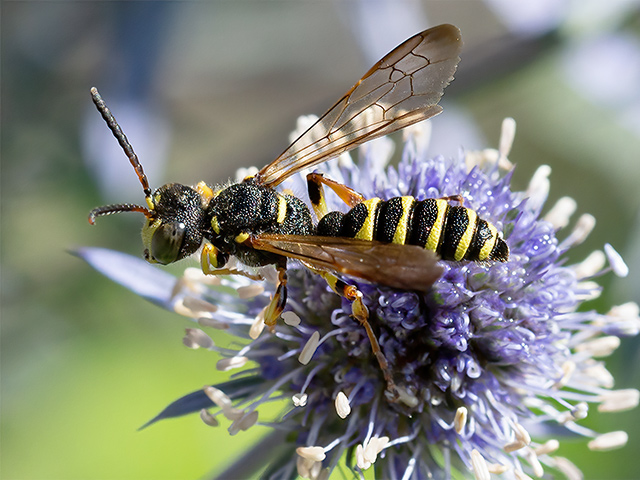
494 365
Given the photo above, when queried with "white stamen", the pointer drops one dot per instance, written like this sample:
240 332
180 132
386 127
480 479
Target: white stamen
258 324
520 475
568 468
233 413
600 347
561 212
590 265
309 349
250 291
218 397
581 231
343 408
207 418
195 338
599 375
531 456
193 307
291 319
626 317
590 290
460 419
479 465
497 468
619 400
580 411
367 454
538 188
549 446
226 364
212 323
609 441
303 466
196 275
568 368
374 447
360 461
406 397
244 423
311 453
299 399
522 438
199 307
615 260
507 134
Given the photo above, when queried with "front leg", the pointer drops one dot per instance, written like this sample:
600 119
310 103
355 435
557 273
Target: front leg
212 259
278 301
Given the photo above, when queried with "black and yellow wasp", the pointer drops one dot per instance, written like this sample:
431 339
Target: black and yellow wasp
393 242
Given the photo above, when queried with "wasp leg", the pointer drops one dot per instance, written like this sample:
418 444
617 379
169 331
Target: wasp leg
316 193
360 312
278 302
454 198
209 260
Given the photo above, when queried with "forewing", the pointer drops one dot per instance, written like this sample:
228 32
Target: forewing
401 89
406 267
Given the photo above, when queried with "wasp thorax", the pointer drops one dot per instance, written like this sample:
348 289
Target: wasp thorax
243 207
174 229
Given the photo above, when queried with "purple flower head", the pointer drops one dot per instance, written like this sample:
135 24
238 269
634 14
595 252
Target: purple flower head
493 364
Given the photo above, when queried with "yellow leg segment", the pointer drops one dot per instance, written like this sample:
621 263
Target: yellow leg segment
315 182
209 260
278 302
360 312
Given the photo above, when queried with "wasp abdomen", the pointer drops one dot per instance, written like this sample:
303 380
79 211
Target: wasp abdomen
453 232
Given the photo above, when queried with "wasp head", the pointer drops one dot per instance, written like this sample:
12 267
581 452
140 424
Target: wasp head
175 213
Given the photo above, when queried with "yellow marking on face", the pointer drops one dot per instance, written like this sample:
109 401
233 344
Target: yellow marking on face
148 229
400 235
465 240
215 225
487 248
366 231
242 237
436 229
151 203
282 209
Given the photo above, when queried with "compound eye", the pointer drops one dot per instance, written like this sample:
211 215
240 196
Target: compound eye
166 242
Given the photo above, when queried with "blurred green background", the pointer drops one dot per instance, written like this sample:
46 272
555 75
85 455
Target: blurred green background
204 88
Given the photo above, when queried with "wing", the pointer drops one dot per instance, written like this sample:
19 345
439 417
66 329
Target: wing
401 89
406 267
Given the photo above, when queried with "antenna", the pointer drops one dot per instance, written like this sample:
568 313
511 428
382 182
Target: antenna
122 139
133 159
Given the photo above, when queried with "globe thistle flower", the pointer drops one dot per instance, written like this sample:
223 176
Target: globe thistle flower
494 365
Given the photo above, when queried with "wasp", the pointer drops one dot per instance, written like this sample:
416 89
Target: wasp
395 242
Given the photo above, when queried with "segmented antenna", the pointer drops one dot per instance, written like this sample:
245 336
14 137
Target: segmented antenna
133 159
111 209
122 139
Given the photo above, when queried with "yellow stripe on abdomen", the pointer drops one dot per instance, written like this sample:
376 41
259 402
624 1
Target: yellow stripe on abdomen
400 235
367 229
467 236
436 230
487 248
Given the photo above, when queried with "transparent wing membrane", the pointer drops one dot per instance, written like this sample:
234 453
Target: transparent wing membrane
401 89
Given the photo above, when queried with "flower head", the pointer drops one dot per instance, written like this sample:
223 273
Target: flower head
493 364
